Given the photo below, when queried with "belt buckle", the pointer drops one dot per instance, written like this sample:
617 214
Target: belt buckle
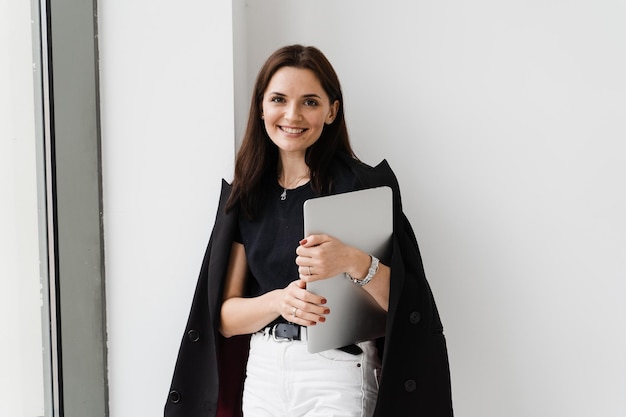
277 338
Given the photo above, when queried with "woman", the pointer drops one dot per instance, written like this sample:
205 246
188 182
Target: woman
245 345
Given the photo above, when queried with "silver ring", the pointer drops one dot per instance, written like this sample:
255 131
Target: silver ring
310 271
295 310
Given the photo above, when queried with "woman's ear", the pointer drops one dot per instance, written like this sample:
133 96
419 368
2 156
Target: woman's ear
332 113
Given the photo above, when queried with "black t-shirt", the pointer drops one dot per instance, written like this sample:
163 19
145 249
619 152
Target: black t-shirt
271 238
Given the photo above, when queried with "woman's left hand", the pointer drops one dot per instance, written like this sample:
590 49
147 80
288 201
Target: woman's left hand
323 256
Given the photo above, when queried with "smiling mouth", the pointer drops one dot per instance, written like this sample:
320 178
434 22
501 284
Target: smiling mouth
291 130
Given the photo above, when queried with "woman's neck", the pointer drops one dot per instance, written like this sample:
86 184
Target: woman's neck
292 172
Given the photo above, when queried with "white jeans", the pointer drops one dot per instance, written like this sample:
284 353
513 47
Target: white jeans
284 380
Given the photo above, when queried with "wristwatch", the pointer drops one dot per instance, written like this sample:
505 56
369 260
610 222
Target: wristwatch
370 273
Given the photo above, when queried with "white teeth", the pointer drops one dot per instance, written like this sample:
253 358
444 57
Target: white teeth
290 130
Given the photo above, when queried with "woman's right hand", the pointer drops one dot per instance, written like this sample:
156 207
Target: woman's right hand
299 306
245 315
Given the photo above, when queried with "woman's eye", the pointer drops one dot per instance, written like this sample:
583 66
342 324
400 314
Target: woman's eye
277 100
310 103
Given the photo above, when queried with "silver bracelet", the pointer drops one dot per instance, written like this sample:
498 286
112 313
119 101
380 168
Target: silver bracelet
370 273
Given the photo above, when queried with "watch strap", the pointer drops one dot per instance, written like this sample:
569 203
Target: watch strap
373 269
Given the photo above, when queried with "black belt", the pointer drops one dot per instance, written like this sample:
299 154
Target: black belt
290 331
285 331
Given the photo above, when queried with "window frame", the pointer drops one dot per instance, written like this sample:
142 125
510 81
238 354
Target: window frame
65 45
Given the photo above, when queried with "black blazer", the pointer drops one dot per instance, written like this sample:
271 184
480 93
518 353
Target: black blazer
210 369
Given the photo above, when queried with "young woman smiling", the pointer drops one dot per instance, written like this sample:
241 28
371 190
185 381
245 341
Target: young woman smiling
245 350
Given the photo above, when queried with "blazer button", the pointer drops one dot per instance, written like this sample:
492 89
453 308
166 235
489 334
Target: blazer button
415 317
174 397
410 385
193 335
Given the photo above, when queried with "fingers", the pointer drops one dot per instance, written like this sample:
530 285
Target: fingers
320 257
307 272
314 240
303 307
307 317
298 283
309 257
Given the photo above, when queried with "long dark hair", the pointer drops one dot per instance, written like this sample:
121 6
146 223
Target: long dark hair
257 158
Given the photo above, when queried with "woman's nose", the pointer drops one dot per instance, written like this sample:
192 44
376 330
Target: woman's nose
292 112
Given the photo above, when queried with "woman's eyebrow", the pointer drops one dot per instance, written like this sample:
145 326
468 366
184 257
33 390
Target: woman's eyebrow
276 93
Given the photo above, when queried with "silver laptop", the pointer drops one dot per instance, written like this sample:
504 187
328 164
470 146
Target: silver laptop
363 219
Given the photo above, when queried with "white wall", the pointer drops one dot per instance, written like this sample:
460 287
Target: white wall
167 140
21 362
504 122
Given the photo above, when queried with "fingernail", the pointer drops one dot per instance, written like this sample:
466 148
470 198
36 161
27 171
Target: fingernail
303 242
322 319
323 301
327 311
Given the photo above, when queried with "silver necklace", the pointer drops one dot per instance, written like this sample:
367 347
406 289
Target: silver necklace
283 196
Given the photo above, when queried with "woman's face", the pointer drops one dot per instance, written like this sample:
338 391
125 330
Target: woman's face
295 109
